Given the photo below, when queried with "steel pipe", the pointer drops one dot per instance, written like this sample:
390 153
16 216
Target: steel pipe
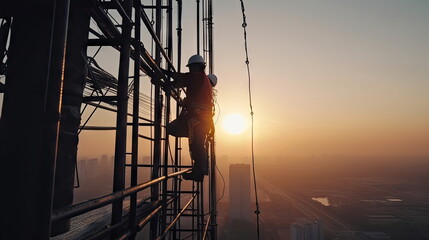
206 228
176 218
77 209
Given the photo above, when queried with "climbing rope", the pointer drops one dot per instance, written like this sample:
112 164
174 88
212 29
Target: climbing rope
244 25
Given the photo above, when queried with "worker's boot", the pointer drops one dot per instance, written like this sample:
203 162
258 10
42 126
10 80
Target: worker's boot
196 174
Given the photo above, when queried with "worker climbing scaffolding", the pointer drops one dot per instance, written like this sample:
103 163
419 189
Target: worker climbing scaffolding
196 119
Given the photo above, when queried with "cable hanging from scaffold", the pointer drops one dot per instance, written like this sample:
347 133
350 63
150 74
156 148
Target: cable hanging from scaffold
244 25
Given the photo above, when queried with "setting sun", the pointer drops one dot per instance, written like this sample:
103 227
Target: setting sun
234 123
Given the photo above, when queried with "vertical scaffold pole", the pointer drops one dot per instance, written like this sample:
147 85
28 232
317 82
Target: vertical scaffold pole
210 26
213 190
121 117
201 210
53 104
213 173
179 35
166 120
157 122
135 131
167 110
198 26
177 143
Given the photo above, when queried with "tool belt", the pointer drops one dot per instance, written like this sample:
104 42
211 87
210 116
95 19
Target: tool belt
198 110
201 113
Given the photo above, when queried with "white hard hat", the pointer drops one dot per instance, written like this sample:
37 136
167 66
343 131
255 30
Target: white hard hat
213 79
196 59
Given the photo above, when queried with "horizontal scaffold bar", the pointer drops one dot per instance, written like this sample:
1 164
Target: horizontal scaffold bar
170 166
100 128
77 209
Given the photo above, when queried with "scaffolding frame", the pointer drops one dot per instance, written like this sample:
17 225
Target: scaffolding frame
166 206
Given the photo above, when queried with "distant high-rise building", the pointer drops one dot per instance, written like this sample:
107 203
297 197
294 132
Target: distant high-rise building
104 165
239 192
92 167
304 229
82 170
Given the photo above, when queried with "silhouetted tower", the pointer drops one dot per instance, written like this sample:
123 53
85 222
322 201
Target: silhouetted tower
239 192
52 82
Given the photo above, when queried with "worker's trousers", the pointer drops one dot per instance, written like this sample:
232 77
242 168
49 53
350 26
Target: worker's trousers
196 129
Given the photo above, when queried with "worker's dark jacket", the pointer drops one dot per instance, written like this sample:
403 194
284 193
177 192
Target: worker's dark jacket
199 93
196 119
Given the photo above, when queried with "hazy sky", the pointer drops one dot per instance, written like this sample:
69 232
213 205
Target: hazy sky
329 76
344 77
